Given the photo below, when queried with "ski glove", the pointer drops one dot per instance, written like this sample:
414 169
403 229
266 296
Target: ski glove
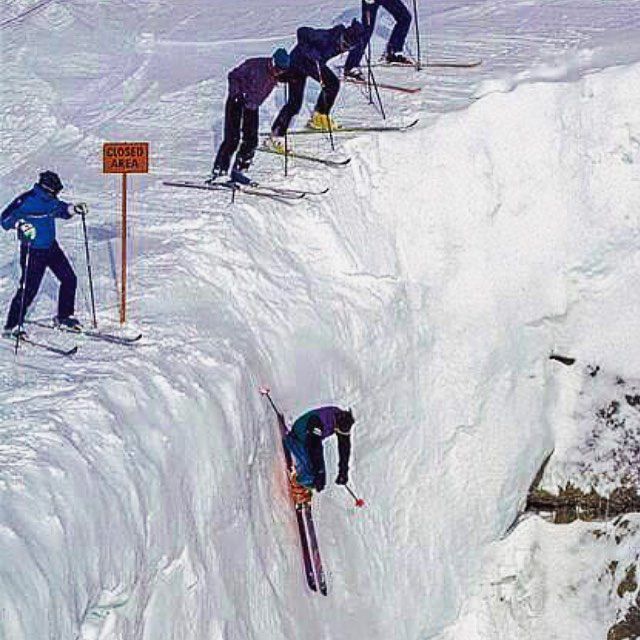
80 209
26 231
319 481
343 477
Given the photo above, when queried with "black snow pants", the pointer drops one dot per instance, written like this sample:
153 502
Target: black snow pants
237 119
31 277
301 69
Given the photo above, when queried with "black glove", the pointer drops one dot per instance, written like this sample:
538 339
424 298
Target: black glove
319 481
80 209
343 477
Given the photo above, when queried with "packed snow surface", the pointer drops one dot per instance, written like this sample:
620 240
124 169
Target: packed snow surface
142 494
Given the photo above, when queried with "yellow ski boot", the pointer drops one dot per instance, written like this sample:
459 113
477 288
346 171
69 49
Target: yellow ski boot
276 144
322 122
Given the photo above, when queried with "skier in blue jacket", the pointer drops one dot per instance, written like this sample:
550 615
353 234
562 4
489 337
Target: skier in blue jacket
33 214
305 443
393 54
309 59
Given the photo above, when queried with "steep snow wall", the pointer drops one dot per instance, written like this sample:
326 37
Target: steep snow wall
142 494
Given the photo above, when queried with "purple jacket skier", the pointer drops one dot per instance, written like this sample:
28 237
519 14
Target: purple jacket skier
250 84
305 442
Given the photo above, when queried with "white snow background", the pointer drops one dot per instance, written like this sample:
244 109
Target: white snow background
141 490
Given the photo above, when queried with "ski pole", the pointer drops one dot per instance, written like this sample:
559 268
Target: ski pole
326 104
359 501
23 297
415 20
286 134
375 86
369 72
265 391
86 250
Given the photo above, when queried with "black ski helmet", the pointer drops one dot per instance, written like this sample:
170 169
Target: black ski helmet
50 180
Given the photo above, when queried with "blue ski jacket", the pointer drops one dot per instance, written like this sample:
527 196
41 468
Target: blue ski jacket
39 207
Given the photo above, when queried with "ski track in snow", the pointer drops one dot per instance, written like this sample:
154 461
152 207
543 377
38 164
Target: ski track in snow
142 494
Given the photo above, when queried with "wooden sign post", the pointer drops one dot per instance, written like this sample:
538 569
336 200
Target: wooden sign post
124 158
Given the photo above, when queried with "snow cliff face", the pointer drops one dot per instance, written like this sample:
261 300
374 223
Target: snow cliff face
141 491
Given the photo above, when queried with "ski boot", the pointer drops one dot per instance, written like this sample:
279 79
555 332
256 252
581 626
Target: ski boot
354 74
14 332
68 324
217 176
398 58
322 122
240 178
276 143
299 493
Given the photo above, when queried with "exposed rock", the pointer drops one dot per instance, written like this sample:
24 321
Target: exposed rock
629 584
629 627
572 503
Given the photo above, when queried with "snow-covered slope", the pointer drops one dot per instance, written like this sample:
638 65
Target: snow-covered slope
141 490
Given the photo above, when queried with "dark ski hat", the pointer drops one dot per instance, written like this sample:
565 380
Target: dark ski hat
281 59
50 180
344 422
353 34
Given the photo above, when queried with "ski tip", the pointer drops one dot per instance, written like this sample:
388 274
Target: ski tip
72 352
565 360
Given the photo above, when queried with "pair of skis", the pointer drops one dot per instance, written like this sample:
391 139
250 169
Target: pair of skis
311 559
451 64
332 162
93 334
285 193
438 64
254 189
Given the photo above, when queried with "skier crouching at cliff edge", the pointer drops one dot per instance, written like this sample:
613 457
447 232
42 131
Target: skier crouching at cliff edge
250 84
315 47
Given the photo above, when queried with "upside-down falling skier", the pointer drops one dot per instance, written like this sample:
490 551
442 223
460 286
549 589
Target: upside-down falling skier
309 59
250 84
305 443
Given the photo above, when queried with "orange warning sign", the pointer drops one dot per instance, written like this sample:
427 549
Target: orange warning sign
125 157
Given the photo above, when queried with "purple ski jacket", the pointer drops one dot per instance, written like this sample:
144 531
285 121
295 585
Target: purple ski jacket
310 429
253 80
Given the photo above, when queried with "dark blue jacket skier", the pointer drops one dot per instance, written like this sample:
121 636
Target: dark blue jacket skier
305 442
33 214
393 53
309 59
